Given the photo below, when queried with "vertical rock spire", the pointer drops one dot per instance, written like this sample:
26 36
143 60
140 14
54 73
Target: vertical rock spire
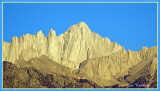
52 33
52 46
40 34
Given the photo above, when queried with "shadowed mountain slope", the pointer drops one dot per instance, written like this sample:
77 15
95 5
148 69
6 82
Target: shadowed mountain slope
29 77
46 65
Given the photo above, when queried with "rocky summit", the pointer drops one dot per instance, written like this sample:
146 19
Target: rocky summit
78 58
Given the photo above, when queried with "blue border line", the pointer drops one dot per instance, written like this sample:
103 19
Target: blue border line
73 1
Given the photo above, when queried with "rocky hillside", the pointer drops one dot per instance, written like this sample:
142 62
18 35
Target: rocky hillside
29 77
106 70
15 76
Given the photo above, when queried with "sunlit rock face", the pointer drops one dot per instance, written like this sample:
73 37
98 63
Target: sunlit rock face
77 44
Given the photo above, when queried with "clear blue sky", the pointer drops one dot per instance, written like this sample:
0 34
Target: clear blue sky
131 25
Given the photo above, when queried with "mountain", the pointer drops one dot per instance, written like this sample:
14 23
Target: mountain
68 49
80 53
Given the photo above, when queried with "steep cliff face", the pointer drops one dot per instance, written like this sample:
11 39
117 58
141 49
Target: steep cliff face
31 46
5 48
77 44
